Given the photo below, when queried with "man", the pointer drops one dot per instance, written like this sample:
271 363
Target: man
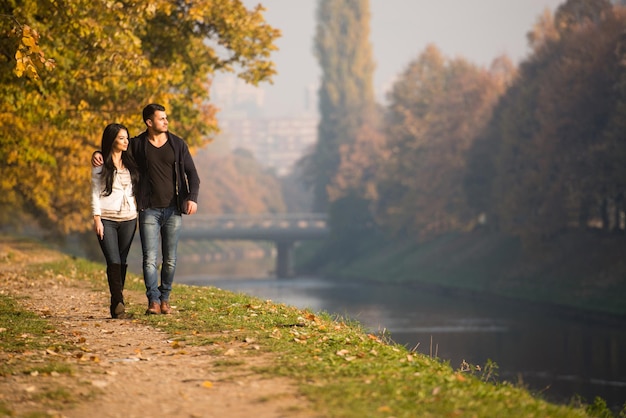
168 186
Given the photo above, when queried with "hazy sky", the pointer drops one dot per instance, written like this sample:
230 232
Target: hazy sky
478 30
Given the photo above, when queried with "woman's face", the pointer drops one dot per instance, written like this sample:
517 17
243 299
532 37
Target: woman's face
121 141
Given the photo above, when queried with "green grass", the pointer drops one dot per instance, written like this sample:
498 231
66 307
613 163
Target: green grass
341 369
23 333
21 329
50 368
23 337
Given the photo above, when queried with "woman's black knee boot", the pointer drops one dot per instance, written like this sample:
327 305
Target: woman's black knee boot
114 277
124 267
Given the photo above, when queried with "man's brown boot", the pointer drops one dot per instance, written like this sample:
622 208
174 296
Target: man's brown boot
153 308
166 309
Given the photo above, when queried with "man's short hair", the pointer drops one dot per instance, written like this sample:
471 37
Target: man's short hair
150 110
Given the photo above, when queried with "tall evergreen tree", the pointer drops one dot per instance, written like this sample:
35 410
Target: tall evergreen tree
346 94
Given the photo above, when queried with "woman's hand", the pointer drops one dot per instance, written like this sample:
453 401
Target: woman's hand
99 227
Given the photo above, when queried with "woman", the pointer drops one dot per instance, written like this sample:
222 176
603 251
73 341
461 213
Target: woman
114 209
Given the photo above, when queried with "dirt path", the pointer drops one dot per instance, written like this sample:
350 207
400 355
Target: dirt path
123 368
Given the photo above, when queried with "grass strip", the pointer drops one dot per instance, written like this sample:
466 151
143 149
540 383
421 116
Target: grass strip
339 367
343 370
25 341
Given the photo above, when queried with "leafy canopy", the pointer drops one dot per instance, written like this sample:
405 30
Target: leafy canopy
70 67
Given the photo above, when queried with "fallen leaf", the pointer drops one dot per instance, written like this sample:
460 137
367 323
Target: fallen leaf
207 384
100 383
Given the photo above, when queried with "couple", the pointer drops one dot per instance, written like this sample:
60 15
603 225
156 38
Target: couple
152 174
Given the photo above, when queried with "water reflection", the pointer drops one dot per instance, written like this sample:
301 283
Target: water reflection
547 352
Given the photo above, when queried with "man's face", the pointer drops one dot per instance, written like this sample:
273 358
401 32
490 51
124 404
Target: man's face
158 123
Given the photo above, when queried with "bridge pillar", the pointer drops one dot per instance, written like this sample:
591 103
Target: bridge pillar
284 259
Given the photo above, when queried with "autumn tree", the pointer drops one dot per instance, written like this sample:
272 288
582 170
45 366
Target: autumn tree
359 162
437 107
543 31
573 13
346 94
353 193
70 67
555 143
243 186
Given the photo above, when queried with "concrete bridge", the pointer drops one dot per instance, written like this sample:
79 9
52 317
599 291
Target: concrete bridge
283 229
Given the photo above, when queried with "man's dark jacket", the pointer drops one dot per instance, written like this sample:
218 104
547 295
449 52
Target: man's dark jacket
187 181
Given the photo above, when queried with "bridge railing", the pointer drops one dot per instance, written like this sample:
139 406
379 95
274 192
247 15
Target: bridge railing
257 221
284 229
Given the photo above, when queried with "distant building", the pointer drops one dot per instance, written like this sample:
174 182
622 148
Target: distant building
231 94
277 143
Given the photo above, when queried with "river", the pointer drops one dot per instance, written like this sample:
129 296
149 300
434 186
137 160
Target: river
557 355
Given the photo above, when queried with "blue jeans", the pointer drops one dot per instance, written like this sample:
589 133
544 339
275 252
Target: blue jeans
118 236
159 225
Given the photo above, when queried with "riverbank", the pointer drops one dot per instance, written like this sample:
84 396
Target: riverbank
220 354
581 273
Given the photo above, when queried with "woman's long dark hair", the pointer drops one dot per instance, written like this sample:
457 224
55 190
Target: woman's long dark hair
108 169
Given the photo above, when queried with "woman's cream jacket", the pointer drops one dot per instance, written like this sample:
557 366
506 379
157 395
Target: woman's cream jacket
113 202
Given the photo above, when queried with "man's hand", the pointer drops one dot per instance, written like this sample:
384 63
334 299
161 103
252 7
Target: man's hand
96 159
190 207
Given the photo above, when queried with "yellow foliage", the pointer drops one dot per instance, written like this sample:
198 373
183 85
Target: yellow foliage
29 57
54 106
